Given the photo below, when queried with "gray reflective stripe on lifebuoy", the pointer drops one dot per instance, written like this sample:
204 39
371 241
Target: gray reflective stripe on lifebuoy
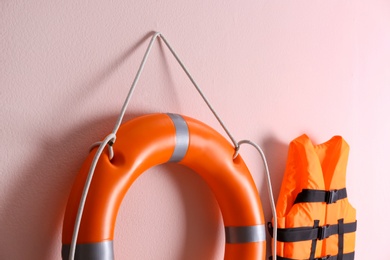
182 138
245 234
93 251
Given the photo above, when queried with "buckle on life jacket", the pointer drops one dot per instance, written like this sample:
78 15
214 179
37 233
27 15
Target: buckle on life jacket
323 232
323 258
331 196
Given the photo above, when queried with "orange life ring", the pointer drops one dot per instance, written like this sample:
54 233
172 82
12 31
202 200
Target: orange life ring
155 139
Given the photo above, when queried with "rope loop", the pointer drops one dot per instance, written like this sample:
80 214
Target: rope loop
236 150
110 142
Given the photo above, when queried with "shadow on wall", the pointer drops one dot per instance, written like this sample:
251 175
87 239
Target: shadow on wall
202 214
32 219
276 153
173 211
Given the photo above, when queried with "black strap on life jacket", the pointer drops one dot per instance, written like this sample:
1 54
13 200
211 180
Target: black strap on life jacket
341 239
347 256
314 240
328 196
316 232
311 233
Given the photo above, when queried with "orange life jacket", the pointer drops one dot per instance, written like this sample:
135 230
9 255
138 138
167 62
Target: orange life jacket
315 219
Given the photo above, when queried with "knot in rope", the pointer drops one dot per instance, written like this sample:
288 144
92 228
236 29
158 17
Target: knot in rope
109 140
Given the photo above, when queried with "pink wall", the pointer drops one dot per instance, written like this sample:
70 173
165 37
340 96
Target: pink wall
272 69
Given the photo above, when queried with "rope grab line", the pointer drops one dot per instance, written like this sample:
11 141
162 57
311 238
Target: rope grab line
110 141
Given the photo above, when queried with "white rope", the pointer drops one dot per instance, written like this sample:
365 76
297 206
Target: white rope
200 92
110 140
269 186
135 81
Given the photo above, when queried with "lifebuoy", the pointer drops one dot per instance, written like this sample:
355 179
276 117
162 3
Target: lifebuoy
155 139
